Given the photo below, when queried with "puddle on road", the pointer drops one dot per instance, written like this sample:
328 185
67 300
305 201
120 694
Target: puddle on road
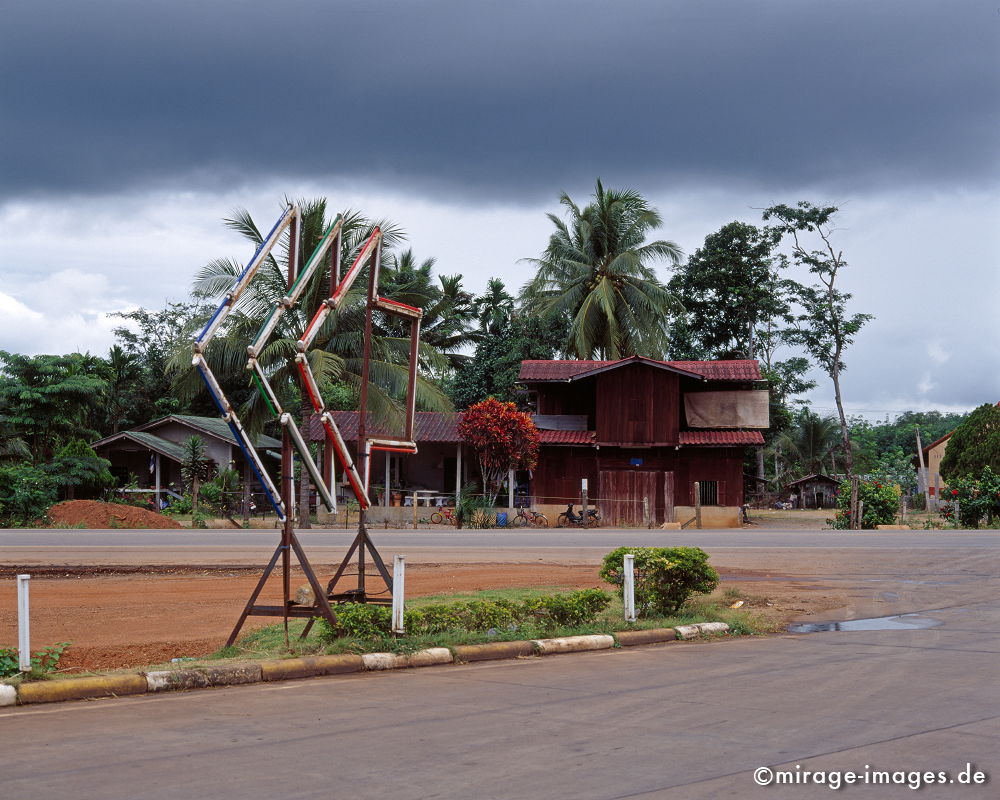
900 622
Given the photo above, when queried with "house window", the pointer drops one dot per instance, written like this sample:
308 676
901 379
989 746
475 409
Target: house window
709 491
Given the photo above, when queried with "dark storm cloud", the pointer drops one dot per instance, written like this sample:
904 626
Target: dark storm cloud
505 98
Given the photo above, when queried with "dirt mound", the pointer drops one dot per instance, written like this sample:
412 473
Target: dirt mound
94 514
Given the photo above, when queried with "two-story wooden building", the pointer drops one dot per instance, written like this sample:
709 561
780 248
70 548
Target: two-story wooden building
641 432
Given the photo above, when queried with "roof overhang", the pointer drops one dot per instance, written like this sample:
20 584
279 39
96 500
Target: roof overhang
630 361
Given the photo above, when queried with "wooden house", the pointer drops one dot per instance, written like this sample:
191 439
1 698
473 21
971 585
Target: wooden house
641 432
814 491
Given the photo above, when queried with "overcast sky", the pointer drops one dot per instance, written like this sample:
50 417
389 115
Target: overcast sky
129 130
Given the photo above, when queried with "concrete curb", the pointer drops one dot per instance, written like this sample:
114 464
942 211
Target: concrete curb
421 658
699 629
80 688
652 636
494 650
310 666
574 644
284 669
8 695
202 677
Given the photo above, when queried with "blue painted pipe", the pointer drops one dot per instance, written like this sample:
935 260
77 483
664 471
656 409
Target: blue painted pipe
275 504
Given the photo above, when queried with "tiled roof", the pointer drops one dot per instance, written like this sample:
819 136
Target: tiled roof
742 370
433 426
721 438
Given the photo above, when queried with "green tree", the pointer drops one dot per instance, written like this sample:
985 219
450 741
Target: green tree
26 493
494 307
77 465
736 305
48 400
808 446
493 369
138 365
597 270
974 445
196 467
823 328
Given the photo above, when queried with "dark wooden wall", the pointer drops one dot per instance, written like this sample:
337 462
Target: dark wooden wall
638 405
557 477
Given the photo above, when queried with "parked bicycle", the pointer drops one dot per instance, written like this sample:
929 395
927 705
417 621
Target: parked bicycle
526 516
570 518
444 515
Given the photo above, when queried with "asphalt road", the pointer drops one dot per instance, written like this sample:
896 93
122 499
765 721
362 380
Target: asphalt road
686 720
25 548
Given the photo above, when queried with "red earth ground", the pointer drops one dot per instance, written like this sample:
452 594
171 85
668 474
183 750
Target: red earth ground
135 616
97 515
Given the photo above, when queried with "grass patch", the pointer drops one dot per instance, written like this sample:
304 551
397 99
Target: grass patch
269 642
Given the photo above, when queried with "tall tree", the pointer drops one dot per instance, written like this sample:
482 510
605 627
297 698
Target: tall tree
48 400
597 270
974 445
824 327
494 307
492 371
735 302
809 445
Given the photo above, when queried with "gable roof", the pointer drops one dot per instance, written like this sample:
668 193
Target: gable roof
209 426
570 370
164 447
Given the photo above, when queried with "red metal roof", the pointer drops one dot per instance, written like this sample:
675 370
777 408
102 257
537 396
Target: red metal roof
721 438
742 370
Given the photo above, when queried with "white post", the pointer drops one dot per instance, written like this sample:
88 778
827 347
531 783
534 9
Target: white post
23 624
398 573
458 472
629 587
510 490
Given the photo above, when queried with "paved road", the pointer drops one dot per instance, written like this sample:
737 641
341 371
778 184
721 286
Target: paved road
689 720
746 548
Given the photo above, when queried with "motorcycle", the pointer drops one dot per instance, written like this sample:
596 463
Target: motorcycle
569 517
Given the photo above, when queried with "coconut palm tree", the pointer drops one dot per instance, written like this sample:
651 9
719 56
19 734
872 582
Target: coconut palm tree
336 355
811 444
597 271
494 307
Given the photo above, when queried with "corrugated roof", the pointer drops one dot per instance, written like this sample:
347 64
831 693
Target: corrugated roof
814 477
721 438
564 370
213 426
165 447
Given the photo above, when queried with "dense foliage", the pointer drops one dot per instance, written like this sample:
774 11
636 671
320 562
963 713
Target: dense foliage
974 445
974 500
503 439
665 577
881 503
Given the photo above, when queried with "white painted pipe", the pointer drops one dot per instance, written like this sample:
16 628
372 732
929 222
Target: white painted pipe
23 624
398 573
628 572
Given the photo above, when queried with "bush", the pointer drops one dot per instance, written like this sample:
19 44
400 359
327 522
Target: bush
367 622
26 493
881 499
576 608
45 660
665 577
978 499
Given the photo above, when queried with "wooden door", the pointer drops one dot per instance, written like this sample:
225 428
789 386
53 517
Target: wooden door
621 499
